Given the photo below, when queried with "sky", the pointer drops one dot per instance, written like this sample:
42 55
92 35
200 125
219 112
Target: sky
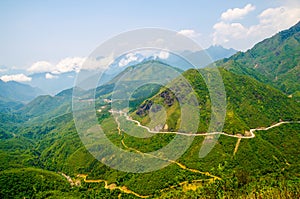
50 36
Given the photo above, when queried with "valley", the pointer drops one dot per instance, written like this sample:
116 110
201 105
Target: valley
255 155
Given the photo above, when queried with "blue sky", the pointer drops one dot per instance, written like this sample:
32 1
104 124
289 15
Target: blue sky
50 31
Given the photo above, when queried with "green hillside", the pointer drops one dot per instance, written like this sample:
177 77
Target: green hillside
45 107
265 165
250 104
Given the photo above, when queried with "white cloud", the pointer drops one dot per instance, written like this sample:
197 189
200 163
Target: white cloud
162 55
17 78
65 65
226 31
50 76
2 70
235 30
69 64
242 37
237 13
276 19
98 63
40 67
130 57
188 33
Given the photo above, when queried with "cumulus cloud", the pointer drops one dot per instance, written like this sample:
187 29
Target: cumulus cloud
226 31
188 33
40 67
16 77
237 13
50 76
277 18
241 36
130 57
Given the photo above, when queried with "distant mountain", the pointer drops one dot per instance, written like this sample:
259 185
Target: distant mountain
275 61
207 56
217 52
54 83
18 92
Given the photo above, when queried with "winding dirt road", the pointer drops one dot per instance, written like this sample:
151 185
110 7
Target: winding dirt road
213 178
111 186
252 135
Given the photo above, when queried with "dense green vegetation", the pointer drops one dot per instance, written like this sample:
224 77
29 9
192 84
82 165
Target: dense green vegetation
27 183
266 165
250 104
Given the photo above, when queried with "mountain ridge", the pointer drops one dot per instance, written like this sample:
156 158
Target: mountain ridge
274 61
18 91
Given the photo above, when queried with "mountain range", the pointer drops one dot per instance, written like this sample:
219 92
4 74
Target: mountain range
256 156
54 83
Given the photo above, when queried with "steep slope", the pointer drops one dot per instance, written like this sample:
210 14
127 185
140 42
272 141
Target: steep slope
275 61
250 104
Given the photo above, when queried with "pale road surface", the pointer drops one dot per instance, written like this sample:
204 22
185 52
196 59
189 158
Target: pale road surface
252 135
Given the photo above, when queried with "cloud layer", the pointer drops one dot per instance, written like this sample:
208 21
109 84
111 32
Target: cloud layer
65 65
17 78
40 67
